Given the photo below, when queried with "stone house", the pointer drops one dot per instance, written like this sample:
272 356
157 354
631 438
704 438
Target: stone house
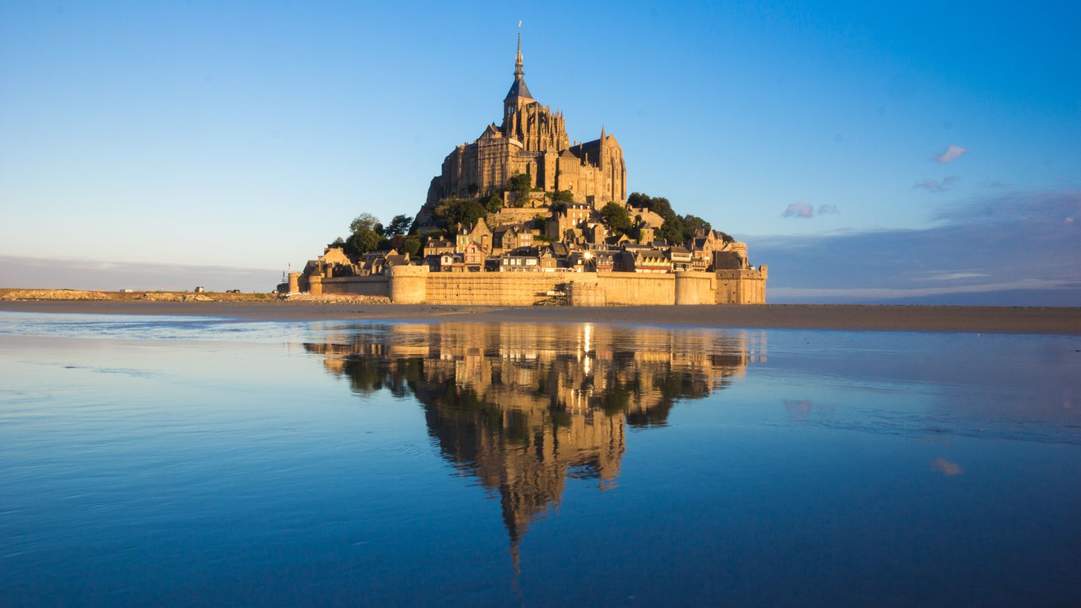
510 237
478 234
564 224
604 260
522 262
437 246
377 262
680 257
596 233
730 255
645 217
473 256
643 261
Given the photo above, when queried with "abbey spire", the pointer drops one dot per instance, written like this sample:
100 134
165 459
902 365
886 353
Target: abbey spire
518 69
518 88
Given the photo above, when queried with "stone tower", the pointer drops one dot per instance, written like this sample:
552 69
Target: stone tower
532 140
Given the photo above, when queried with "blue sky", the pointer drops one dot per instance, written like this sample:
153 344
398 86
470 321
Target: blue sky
249 134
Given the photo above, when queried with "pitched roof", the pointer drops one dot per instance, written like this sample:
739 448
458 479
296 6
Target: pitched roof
518 89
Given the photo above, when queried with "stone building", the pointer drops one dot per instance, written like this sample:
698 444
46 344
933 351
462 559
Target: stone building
531 140
510 237
515 219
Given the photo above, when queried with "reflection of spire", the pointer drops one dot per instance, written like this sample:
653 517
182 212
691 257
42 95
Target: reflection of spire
516 557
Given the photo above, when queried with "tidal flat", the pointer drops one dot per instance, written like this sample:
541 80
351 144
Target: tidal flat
193 460
847 317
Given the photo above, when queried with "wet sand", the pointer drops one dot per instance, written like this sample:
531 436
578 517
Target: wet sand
803 316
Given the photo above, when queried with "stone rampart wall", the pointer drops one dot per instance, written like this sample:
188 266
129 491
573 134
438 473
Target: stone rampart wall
363 286
495 288
631 289
745 286
696 288
416 285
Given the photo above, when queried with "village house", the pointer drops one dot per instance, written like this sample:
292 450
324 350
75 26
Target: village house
510 237
644 261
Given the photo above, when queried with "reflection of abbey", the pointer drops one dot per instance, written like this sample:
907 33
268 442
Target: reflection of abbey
523 215
524 407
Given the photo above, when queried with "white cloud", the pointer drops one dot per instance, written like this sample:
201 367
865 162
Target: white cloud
858 293
952 153
935 185
954 276
800 210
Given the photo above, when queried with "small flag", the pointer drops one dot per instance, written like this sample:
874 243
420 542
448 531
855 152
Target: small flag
519 23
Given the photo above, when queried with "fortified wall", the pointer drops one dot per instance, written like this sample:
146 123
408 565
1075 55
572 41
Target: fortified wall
409 284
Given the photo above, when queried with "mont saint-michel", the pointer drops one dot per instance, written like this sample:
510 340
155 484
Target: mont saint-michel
525 215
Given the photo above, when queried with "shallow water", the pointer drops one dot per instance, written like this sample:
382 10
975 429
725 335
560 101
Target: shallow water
188 461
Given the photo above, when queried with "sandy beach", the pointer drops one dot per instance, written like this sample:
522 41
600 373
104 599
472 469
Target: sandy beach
796 316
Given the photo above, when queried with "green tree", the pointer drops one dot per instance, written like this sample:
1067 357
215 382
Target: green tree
464 211
671 231
366 235
366 221
656 204
615 216
676 229
398 226
520 185
692 224
412 246
563 196
362 241
493 203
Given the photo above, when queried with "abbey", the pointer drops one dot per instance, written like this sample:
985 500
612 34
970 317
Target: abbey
525 216
532 140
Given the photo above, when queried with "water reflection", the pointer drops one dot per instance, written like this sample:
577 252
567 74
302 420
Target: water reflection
523 407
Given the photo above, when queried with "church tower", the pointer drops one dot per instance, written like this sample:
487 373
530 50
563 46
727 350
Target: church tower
532 140
526 120
519 94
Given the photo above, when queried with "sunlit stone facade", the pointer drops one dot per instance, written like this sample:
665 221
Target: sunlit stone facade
532 139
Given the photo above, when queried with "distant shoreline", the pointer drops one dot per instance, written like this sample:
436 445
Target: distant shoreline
1034 320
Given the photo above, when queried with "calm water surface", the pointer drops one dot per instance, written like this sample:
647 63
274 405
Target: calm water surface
186 461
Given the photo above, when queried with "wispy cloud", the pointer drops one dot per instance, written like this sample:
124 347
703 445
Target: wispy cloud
937 185
937 275
1006 248
806 211
952 153
800 210
897 293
